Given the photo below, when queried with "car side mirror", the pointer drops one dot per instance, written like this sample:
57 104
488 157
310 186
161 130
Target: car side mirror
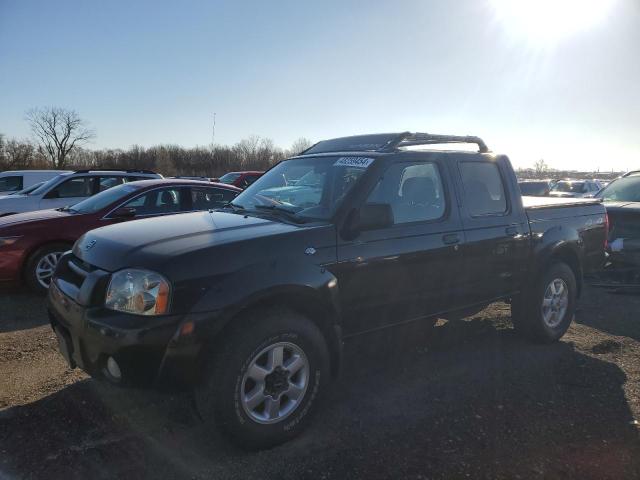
370 216
124 212
52 194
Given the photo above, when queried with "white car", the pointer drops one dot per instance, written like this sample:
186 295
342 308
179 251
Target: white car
69 188
16 180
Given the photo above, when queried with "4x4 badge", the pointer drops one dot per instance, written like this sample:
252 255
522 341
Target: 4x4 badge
90 245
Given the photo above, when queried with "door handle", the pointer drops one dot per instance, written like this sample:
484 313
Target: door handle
451 239
511 231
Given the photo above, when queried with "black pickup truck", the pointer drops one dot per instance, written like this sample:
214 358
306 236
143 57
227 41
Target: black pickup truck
250 304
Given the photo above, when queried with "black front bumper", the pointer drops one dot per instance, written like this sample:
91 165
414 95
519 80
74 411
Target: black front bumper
149 350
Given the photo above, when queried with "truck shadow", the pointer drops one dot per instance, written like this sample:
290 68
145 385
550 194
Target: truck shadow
21 310
470 399
610 312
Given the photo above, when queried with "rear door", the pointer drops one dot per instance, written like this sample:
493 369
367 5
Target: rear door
496 229
407 271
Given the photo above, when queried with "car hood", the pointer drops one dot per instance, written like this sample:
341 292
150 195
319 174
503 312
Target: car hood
36 216
153 243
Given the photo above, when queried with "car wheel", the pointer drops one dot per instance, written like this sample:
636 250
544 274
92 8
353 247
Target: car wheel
41 265
266 378
545 312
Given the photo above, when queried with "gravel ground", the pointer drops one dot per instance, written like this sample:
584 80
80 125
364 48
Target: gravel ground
468 399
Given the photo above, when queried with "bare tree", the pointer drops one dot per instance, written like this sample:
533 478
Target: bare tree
300 145
541 166
58 131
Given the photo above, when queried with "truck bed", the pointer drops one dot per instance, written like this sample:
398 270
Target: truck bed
550 202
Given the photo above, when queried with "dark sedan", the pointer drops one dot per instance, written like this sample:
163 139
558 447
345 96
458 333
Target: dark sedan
622 201
31 243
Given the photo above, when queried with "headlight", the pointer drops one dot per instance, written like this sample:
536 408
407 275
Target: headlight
140 292
5 241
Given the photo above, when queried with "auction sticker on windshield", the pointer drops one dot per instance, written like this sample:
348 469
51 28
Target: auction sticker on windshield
358 162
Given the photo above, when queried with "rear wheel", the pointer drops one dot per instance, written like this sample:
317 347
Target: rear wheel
265 379
41 265
545 312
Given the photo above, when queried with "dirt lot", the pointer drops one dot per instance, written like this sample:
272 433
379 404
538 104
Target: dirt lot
469 400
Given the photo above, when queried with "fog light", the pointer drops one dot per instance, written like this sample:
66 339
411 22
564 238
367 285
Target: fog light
113 368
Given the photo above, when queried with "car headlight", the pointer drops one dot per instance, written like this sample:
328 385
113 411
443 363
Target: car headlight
5 241
140 292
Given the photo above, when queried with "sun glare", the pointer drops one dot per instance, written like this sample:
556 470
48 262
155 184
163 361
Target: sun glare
544 23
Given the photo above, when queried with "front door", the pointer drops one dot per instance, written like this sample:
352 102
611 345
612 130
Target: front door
406 271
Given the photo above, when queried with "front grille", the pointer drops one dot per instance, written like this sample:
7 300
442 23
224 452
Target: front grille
73 274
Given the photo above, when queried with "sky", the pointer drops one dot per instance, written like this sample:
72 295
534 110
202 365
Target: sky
551 79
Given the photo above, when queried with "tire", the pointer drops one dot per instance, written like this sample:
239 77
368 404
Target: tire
45 257
223 396
544 313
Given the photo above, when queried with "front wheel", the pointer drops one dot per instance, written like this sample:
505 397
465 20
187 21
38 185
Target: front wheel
266 378
41 265
545 312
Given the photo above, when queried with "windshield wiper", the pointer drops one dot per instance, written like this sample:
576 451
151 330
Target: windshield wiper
288 213
233 206
67 209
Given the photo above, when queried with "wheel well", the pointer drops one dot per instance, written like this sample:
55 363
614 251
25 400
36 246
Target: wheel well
570 257
321 314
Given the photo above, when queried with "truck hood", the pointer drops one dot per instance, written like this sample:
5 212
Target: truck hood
36 216
154 242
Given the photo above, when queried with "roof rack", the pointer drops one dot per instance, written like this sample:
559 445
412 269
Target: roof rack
387 142
407 139
115 170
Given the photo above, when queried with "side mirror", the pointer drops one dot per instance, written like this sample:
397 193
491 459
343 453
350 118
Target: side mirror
371 216
124 212
52 194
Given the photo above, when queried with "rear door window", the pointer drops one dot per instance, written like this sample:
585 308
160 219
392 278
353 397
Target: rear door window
484 191
105 183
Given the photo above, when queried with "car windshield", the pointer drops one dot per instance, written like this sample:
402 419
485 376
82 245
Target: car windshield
569 187
44 188
229 177
622 190
309 188
104 199
27 190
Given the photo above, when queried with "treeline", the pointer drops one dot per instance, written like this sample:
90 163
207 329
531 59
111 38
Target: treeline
251 153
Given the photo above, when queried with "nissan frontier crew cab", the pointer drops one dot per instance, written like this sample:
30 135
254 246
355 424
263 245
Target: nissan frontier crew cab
250 304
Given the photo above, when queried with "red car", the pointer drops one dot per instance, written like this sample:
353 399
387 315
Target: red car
31 243
239 179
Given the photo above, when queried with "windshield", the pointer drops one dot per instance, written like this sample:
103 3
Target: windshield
45 186
572 187
310 188
27 190
622 190
104 199
229 177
